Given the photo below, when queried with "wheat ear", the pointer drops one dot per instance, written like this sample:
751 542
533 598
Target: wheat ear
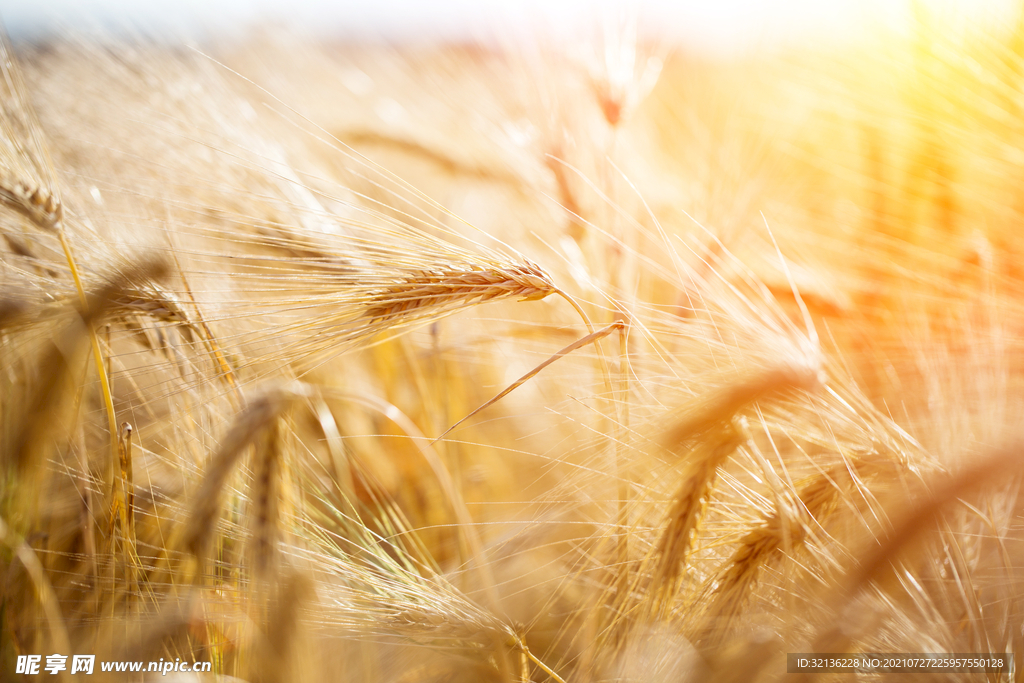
31 200
721 404
265 498
782 531
254 421
446 287
932 499
689 506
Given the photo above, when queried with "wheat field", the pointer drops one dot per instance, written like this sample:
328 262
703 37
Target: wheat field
510 362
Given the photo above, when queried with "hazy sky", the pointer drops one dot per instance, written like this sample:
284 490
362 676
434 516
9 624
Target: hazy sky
722 24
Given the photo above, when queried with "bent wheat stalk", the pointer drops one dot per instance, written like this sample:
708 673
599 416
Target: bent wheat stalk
579 343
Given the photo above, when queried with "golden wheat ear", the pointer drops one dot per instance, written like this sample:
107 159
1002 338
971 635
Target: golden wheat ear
919 511
784 531
59 357
445 288
689 506
258 418
720 405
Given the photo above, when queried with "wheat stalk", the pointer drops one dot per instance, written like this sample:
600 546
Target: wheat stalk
266 492
122 509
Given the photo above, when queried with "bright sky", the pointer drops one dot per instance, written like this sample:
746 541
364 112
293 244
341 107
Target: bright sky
722 25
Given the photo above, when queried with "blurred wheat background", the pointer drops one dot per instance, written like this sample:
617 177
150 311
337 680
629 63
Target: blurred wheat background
530 358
